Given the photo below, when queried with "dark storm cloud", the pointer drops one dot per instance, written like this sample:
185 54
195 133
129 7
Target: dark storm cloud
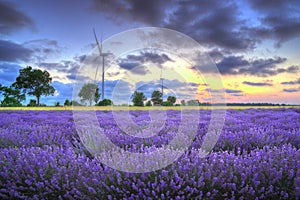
233 91
133 67
237 95
257 83
129 65
296 82
12 19
149 12
259 67
71 67
280 19
212 22
231 64
291 90
135 63
152 57
13 52
42 48
37 50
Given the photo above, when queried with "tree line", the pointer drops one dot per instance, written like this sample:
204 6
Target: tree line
36 82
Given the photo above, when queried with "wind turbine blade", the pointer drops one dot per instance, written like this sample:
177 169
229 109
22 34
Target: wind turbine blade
99 47
100 51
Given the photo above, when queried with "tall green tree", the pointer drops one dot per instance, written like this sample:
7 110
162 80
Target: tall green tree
67 102
105 102
171 99
97 95
156 97
12 96
138 98
89 93
34 82
183 102
148 103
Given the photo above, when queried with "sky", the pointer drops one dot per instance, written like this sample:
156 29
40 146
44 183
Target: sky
253 44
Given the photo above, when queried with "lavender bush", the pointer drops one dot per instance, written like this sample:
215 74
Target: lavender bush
257 157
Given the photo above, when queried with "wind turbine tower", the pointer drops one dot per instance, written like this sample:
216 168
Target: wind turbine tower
103 59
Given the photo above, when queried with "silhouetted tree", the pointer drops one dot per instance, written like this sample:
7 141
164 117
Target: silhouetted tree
89 93
183 102
105 102
97 95
148 103
67 103
32 103
138 98
171 99
193 103
156 97
167 103
12 96
34 82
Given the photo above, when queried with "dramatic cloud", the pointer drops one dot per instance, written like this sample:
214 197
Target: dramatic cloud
291 82
212 23
149 12
70 67
257 83
280 19
231 64
37 50
11 19
42 48
152 57
237 95
259 67
12 52
233 91
135 63
291 90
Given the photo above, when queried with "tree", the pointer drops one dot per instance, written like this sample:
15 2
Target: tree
193 103
138 98
57 104
67 103
32 103
171 99
34 82
97 95
89 93
156 97
183 102
105 102
167 103
12 96
149 103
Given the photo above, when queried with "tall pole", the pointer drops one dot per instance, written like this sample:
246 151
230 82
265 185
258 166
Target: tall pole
102 77
103 59
162 89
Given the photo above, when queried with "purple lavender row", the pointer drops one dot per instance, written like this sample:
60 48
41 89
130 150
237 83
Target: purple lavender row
257 155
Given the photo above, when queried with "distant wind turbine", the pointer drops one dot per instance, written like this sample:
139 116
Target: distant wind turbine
103 58
162 84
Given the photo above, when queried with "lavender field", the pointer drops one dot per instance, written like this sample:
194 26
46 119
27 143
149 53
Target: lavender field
256 157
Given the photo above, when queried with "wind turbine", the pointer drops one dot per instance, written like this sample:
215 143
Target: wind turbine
162 84
103 58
